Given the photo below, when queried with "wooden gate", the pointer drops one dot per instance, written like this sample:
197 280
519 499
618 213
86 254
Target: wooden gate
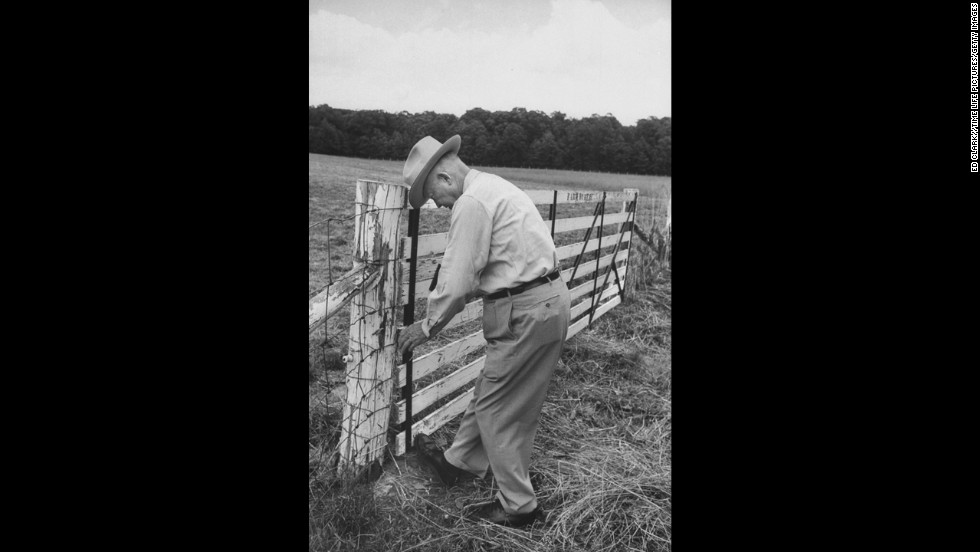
407 265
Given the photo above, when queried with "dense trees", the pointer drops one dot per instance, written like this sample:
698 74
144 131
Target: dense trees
515 138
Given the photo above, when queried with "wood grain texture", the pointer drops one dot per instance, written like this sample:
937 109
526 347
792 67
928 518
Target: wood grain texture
427 396
377 214
435 420
337 295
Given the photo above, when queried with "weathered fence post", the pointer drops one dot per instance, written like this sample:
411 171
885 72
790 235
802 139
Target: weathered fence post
377 216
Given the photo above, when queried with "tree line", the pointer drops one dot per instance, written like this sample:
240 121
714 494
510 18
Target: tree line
515 138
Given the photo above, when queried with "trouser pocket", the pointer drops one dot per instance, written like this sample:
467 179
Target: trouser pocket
539 319
496 320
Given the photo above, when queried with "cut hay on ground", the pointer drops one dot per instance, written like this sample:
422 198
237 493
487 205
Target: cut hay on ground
601 464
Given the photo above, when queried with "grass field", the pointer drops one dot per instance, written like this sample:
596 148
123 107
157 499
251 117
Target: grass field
602 457
332 182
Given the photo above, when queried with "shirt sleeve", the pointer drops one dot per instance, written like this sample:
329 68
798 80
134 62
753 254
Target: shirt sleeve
467 254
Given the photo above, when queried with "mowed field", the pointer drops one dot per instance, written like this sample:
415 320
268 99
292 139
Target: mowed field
601 460
333 179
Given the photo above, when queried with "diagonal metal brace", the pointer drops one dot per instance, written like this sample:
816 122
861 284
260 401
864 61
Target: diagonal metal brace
595 216
598 255
612 265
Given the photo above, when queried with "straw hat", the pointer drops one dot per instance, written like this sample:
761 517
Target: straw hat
424 155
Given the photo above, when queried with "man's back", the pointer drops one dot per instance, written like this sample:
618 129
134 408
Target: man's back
521 247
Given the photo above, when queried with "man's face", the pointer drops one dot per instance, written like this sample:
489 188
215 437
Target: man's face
440 190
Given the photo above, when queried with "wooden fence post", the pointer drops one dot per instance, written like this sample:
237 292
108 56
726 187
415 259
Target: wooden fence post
372 355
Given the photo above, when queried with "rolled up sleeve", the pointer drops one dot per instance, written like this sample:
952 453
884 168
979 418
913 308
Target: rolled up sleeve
465 258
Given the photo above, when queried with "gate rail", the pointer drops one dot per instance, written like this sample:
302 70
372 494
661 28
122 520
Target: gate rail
390 271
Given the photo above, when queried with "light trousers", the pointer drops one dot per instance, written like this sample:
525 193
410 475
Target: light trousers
525 334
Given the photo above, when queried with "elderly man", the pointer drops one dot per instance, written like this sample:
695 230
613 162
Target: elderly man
501 249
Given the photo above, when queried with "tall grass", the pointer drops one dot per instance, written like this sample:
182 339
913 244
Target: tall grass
601 463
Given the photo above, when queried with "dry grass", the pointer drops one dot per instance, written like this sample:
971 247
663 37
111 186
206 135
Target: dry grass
602 457
601 464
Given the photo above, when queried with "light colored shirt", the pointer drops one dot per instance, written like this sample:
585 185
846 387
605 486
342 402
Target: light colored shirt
497 240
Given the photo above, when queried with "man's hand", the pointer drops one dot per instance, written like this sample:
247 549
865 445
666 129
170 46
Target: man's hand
410 338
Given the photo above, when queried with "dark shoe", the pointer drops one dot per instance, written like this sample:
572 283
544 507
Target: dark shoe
435 459
494 512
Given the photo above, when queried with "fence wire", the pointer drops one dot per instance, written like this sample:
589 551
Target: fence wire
327 222
334 379
343 353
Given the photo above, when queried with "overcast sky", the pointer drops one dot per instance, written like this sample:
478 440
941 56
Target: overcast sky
575 56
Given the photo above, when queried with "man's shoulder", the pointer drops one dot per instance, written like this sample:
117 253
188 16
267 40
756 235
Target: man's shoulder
489 187
470 204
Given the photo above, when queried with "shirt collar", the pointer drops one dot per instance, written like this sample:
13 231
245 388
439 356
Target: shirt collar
469 178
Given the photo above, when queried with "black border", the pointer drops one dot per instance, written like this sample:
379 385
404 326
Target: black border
772 107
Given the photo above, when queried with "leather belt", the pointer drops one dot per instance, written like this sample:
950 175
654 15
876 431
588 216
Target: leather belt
523 287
